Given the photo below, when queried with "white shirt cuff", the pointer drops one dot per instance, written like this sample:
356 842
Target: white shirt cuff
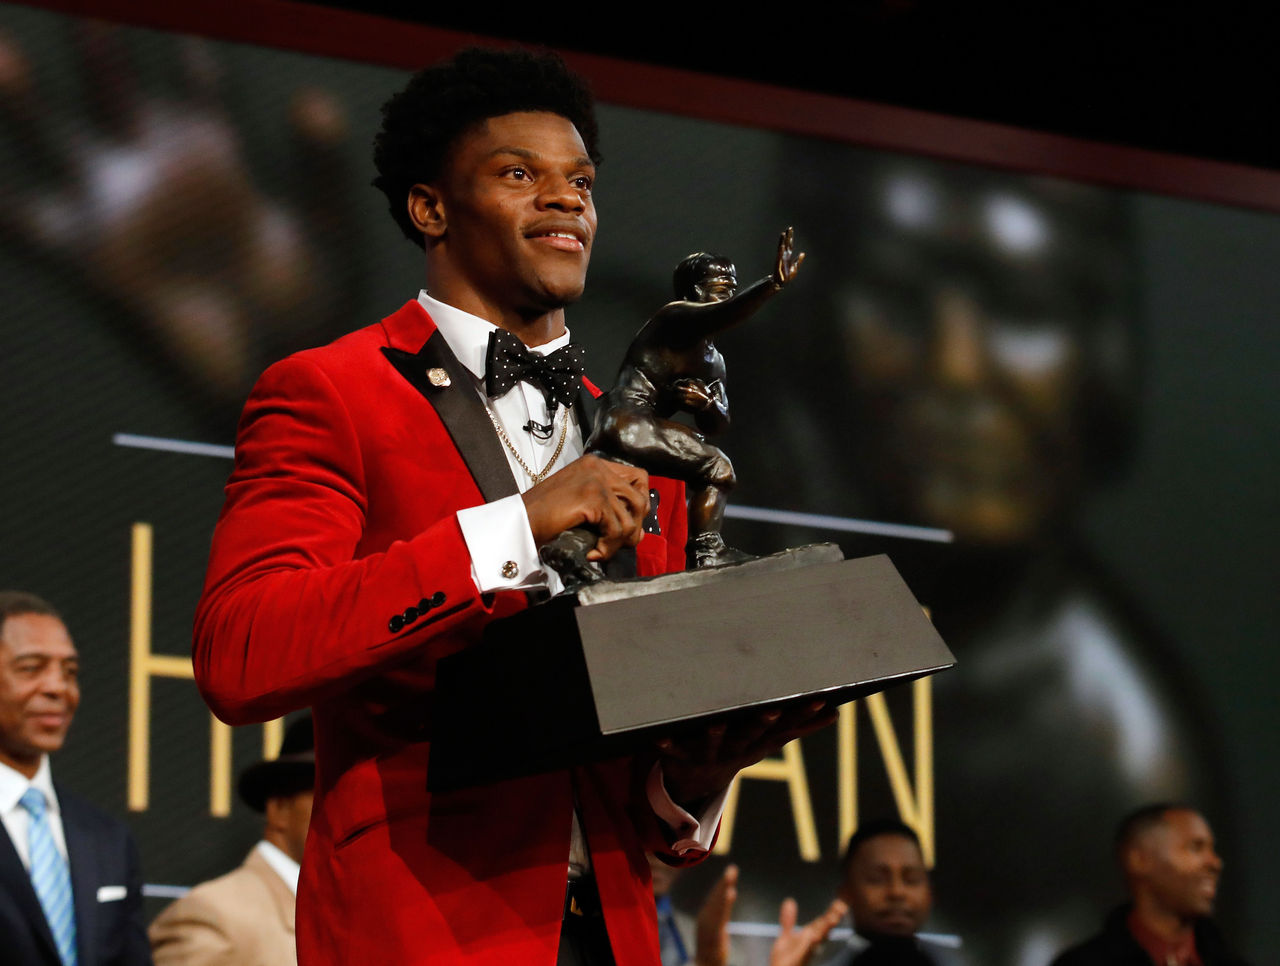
691 834
503 555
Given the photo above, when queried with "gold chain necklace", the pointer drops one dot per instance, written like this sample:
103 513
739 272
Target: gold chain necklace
536 478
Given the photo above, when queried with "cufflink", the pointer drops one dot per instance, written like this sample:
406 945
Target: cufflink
438 377
510 570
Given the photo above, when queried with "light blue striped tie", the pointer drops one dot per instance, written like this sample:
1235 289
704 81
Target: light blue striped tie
50 877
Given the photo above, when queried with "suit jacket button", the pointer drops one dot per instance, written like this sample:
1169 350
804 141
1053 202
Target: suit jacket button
425 605
395 624
410 615
437 598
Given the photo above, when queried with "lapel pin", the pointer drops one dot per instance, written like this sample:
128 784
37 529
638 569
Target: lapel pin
438 377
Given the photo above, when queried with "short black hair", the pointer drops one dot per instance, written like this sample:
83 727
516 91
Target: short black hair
421 124
692 270
874 829
15 603
1141 821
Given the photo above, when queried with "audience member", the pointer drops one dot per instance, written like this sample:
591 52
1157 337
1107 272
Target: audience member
886 884
712 946
70 885
1167 855
246 917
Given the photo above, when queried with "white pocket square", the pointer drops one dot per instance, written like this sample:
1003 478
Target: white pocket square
111 893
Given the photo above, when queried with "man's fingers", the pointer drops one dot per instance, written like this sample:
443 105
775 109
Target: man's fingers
610 497
787 914
823 924
745 735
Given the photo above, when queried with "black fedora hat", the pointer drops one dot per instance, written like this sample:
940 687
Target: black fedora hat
292 772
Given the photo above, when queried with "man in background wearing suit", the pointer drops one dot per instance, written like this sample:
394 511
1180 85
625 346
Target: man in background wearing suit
246 917
1171 870
70 886
886 884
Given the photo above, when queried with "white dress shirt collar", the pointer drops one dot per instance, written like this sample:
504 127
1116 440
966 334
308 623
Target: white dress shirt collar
14 784
468 335
281 864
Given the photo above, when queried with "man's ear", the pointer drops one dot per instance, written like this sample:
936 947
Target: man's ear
1136 860
426 210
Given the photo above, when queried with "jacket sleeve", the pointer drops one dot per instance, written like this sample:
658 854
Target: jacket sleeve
137 951
290 615
190 932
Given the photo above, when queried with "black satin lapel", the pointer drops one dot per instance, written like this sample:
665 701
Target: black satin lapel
85 879
461 412
15 883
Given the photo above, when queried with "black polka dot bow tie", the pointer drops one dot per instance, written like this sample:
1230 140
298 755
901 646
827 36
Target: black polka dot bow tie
558 374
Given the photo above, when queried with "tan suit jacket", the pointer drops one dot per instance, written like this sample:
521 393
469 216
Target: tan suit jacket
244 918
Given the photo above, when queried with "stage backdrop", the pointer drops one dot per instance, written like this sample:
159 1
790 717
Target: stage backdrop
1077 382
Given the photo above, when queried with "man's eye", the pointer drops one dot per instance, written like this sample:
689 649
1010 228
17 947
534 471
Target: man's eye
582 183
519 174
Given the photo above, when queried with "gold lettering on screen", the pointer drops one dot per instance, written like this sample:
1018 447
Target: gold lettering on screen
915 804
145 665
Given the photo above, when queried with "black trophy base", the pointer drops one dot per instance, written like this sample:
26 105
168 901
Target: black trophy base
610 670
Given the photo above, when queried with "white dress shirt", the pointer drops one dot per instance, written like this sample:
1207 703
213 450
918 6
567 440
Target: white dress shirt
498 533
13 785
282 864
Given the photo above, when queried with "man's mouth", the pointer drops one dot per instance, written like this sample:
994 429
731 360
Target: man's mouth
562 239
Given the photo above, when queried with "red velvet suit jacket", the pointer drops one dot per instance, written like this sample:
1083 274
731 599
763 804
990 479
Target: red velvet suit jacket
340 515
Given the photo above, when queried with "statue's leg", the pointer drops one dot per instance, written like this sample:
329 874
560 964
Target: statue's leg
706 547
672 449
566 554
707 503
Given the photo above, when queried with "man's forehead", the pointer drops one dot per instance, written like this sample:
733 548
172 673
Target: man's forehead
523 133
889 849
1187 823
43 635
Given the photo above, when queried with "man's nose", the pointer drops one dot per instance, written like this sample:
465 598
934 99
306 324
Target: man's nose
560 194
55 681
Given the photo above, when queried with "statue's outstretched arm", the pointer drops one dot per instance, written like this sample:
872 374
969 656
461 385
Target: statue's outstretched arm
705 319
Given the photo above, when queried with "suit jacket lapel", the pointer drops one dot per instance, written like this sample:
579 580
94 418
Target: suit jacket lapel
85 878
15 882
461 412
281 895
464 416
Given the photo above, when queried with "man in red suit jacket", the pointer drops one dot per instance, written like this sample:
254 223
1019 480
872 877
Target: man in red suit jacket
378 518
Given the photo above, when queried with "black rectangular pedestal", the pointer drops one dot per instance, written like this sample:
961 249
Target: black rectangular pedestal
570 681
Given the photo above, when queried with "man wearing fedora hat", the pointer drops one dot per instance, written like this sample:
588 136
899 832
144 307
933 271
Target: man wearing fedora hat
246 917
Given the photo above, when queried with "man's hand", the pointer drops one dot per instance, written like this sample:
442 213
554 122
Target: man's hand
611 498
700 765
711 944
789 261
795 947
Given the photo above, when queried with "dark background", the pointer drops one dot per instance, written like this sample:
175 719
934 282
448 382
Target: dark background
1185 536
